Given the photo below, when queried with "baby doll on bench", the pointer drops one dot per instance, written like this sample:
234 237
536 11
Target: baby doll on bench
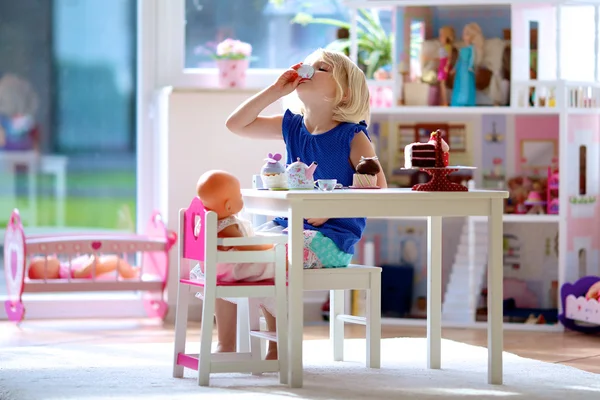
594 292
220 192
82 267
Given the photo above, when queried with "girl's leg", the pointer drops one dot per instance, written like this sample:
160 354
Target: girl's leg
226 322
271 327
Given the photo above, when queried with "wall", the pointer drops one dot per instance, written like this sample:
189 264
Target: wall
534 128
545 16
492 19
583 130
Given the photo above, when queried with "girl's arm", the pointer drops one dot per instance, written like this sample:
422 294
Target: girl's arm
233 231
361 146
245 120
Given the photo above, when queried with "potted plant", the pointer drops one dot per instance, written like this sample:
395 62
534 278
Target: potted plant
233 57
374 44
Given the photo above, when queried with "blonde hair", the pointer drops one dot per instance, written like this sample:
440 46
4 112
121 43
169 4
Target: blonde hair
350 80
449 33
473 30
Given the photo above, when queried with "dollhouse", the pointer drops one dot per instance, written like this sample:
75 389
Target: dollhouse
534 127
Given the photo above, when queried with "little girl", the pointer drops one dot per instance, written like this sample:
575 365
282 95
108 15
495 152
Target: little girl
331 130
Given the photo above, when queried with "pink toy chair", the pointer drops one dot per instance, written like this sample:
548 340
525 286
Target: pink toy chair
202 247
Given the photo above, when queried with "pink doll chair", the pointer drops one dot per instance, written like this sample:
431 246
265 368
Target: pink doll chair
202 247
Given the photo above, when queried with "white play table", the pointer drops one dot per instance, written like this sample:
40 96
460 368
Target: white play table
299 205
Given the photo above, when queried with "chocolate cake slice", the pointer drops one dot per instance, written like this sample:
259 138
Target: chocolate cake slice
419 155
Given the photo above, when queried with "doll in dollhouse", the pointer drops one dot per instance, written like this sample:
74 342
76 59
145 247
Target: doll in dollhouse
463 94
447 36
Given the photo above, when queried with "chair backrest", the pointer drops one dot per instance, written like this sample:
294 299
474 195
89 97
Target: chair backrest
196 223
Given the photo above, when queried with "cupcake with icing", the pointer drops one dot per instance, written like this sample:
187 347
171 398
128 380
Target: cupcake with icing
273 172
366 173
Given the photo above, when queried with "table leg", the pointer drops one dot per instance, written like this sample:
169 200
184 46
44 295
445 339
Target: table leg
295 297
495 292
434 292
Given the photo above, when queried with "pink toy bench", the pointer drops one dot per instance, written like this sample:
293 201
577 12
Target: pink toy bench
151 248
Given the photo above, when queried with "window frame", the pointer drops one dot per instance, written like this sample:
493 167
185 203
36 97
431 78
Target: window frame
171 43
121 304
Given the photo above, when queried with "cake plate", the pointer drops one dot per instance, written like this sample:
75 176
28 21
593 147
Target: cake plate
439 179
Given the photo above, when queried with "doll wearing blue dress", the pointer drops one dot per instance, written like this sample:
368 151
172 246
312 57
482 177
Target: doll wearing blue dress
464 91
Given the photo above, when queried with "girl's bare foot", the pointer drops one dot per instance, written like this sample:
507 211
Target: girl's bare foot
225 348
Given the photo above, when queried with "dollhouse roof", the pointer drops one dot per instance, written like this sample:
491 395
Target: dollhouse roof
416 3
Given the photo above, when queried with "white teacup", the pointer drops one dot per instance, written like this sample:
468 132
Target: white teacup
326 185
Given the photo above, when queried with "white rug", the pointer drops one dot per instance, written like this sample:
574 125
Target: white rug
89 372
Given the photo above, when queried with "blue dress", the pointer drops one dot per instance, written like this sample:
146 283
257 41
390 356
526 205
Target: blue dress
331 151
463 93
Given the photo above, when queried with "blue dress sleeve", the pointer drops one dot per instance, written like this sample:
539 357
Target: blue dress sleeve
357 128
289 124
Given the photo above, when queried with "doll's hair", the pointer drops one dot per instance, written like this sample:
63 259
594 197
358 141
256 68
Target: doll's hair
473 30
450 34
348 78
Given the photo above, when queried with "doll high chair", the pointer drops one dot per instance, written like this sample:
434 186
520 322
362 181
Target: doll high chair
202 247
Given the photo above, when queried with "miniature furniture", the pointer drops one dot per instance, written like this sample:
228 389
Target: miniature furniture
580 314
153 247
552 191
200 245
298 205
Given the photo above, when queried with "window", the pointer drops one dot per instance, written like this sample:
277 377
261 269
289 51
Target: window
267 25
582 170
417 37
68 73
578 62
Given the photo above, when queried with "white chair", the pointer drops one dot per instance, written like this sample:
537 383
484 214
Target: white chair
202 247
338 280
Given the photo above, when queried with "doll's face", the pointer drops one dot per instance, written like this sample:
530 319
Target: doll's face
467 36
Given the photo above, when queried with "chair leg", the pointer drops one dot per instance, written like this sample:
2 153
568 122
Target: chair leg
243 328
374 322
181 319
206 333
336 326
253 321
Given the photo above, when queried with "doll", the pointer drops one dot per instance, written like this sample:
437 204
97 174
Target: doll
464 90
220 192
447 36
594 292
82 267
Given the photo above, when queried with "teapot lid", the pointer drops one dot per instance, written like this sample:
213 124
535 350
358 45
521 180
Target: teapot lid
297 162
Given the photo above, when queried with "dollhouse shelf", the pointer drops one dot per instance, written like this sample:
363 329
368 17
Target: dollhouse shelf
438 110
534 218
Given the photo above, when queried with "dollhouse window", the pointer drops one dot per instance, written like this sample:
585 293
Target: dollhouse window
417 37
582 169
577 61
582 263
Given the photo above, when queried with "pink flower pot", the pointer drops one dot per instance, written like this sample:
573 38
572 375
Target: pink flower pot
232 73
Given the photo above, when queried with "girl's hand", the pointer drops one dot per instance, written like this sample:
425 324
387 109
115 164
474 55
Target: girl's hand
316 221
288 81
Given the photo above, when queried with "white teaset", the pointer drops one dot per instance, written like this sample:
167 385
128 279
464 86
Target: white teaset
295 176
